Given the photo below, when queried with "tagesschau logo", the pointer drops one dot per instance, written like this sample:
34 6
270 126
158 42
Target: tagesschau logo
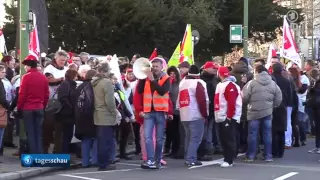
26 161
45 160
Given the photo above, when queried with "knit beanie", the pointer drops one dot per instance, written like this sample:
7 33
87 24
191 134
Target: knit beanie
194 71
184 64
245 60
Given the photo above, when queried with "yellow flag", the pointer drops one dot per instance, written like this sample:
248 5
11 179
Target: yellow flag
1 56
186 51
174 60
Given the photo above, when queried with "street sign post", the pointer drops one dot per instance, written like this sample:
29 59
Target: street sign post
235 33
292 16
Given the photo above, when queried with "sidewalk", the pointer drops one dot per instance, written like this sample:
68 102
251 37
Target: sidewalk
11 169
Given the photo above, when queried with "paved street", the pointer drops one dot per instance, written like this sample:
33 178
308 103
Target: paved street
296 165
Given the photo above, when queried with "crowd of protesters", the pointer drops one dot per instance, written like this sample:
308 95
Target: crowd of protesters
183 112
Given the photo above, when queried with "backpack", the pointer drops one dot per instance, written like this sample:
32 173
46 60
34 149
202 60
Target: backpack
84 100
54 106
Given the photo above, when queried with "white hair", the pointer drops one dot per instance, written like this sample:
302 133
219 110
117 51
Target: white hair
83 69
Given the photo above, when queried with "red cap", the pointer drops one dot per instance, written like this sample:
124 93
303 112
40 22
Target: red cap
31 58
223 71
210 64
129 70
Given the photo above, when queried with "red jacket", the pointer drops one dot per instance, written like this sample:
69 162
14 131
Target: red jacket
138 105
34 91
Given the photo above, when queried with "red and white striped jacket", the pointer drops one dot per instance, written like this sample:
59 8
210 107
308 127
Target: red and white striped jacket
227 101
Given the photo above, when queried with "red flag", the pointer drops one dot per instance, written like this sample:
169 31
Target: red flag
154 54
272 53
34 46
290 49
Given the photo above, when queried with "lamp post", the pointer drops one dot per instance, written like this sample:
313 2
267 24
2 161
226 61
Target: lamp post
245 27
24 32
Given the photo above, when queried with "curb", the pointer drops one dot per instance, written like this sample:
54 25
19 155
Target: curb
24 173
37 171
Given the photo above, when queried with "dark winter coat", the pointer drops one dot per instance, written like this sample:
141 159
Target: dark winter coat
3 101
241 69
279 115
174 88
65 93
315 104
211 81
84 123
9 74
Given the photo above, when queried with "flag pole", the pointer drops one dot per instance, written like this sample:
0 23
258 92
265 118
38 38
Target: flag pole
193 39
5 49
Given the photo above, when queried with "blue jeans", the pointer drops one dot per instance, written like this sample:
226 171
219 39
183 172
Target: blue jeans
33 120
302 123
114 150
253 131
310 123
89 148
194 131
208 134
1 136
105 136
154 120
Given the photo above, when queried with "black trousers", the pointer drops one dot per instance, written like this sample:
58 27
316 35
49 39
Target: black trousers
172 135
8 132
228 139
182 135
278 143
124 134
295 127
243 136
67 134
136 129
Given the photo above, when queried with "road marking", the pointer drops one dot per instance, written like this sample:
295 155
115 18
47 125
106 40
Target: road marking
214 162
79 177
98 172
286 176
302 168
130 164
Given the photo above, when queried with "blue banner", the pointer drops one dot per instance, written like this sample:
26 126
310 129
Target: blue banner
45 160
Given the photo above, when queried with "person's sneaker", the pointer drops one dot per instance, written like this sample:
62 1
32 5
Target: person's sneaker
149 165
16 153
287 147
158 165
9 145
313 151
226 165
296 145
197 163
248 160
116 160
268 160
109 168
163 162
205 158
126 157
303 143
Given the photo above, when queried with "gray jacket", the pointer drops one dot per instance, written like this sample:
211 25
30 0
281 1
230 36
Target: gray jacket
261 95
